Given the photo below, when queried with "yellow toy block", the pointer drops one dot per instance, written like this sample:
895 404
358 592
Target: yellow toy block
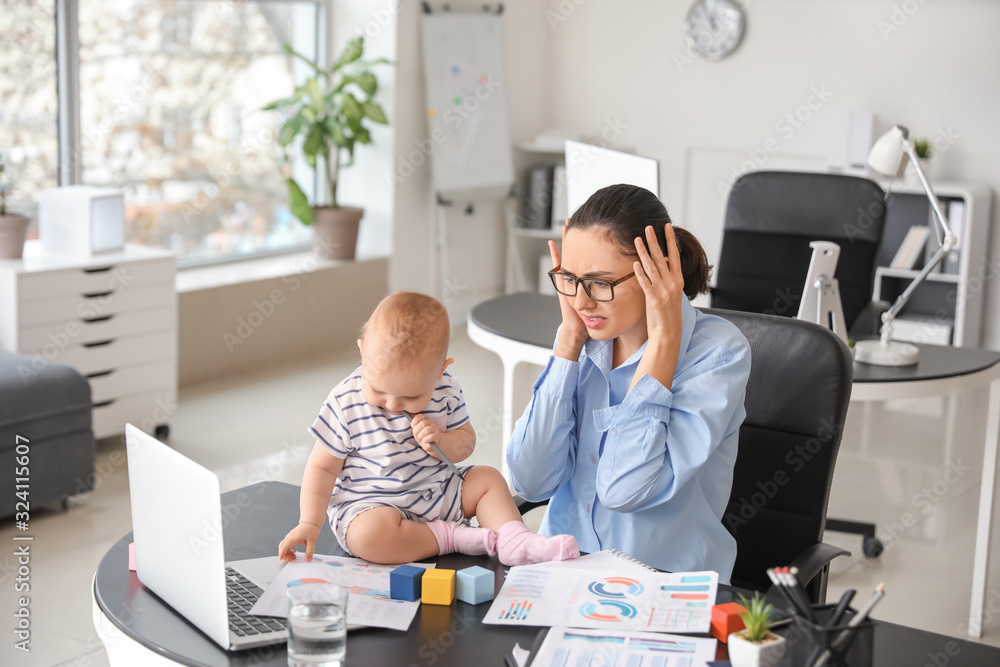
438 586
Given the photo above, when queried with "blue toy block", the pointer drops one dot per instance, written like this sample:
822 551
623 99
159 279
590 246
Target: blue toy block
474 585
404 582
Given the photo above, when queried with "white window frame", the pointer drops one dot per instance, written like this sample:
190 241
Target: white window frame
70 169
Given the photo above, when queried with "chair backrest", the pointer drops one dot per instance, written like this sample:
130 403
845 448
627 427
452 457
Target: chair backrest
796 403
772 216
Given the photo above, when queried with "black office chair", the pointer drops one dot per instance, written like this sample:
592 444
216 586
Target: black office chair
771 217
796 403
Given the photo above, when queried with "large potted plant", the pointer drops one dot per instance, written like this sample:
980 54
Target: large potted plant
329 112
12 226
756 646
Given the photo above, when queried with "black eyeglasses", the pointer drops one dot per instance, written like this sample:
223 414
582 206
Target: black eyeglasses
597 289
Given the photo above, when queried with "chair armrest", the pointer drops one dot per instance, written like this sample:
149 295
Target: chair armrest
525 506
869 320
815 559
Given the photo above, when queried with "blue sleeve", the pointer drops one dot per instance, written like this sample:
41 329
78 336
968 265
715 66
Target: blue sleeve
658 439
541 454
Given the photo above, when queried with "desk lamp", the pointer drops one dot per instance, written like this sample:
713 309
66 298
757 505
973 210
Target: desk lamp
889 156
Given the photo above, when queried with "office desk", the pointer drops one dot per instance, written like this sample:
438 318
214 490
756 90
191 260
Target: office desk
521 329
138 629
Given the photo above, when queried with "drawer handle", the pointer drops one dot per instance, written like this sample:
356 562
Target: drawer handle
94 295
100 269
104 403
103 318
100 374
100 343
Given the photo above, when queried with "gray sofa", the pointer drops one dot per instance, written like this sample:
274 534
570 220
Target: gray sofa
48 404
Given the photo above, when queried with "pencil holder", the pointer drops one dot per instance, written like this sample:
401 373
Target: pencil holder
816 645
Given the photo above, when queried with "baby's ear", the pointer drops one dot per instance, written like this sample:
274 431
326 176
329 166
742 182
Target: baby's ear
447 362
361 345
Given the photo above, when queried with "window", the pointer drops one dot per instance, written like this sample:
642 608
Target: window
169 111
28 101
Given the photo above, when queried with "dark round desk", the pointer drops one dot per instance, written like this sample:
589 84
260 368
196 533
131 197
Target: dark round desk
445 636
521 328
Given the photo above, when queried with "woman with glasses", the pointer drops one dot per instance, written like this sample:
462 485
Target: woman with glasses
632 428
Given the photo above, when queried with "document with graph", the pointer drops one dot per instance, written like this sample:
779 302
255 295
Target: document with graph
548 595
569 646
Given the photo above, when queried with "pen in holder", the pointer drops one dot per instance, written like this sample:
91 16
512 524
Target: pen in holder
815 644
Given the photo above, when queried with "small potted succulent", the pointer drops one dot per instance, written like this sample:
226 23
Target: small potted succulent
329 112
756 646
12 226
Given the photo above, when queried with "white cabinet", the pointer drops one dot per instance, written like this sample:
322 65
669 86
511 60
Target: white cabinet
948 306
112 316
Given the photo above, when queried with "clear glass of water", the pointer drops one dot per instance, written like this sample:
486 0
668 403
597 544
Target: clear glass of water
317 625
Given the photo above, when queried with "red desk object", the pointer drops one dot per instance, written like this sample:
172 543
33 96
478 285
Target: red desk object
726 620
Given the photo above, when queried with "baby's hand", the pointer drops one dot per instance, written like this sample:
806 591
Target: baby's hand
304 533
425 432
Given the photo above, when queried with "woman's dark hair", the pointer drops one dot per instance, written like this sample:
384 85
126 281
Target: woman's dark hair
623 212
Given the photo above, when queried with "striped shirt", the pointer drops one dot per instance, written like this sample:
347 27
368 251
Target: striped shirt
383 464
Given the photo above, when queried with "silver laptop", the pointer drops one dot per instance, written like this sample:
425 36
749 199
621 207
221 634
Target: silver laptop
177 527
590 168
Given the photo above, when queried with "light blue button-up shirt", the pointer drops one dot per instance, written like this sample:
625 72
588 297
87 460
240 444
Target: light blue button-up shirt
647 471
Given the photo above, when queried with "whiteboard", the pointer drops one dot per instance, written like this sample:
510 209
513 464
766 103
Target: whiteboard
466 95
590 168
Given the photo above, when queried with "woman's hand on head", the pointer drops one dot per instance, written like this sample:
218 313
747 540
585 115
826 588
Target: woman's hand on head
573 333
663 284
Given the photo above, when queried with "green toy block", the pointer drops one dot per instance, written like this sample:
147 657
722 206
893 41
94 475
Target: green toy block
438 586
474 585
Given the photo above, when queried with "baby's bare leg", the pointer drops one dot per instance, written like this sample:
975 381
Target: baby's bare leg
485 496
382 535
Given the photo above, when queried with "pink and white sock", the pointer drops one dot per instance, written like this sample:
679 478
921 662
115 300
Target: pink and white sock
517 545
453 536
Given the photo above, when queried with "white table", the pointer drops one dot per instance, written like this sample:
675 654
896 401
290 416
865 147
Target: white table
521 328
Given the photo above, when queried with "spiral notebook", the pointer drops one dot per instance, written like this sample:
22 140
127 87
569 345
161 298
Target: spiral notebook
609 559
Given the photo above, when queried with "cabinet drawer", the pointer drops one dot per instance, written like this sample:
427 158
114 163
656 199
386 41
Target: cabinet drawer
123 382
120 352
106 278
142 410
90 305
80 331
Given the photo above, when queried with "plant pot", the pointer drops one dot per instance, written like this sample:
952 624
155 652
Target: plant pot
335 231
910 176
745 653
12 230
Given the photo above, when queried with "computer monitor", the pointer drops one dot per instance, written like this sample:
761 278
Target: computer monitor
590 168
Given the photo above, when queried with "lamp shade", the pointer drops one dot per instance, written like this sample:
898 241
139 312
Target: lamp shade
887 156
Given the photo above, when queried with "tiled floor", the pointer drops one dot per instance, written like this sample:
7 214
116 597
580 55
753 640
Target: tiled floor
252 427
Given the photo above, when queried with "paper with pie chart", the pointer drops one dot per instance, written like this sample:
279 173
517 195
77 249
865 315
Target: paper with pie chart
367 584
657 602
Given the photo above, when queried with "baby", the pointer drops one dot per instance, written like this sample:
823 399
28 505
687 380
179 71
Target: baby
387 495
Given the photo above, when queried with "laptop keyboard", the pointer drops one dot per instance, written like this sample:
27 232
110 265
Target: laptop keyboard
243 595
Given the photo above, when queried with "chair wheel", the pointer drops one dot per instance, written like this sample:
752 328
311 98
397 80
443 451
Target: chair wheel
162 431
872 547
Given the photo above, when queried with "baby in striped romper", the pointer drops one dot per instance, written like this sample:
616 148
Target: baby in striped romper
387 495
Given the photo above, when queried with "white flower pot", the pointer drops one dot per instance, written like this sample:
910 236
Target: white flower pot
745 653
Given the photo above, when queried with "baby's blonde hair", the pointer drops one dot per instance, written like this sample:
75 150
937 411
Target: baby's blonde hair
409 325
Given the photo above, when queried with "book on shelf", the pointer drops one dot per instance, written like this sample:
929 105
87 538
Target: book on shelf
538 204
951 263
911 249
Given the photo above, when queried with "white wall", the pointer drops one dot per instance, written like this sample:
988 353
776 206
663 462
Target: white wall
938 72
476 242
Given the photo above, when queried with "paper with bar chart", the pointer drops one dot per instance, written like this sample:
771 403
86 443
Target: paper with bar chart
367 583
548 595
605 648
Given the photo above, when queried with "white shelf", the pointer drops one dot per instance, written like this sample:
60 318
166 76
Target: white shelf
554 234
953 278
542 148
